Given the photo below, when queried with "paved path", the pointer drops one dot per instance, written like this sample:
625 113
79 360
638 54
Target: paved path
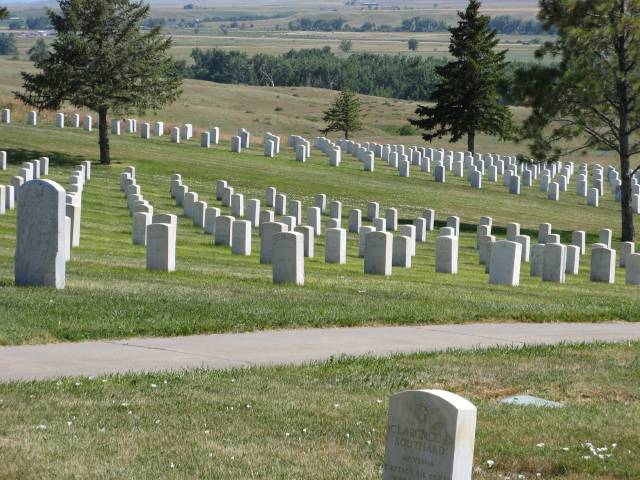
286 347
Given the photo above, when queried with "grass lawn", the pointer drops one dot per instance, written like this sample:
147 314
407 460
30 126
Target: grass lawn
327 420
110 294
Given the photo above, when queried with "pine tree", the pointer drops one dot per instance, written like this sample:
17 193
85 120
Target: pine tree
344 115
4 13
39 51
102 60
467 100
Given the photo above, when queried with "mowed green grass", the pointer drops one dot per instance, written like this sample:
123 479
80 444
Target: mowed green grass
327 421
110 294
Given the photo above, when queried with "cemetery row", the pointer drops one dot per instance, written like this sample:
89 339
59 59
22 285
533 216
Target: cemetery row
554 178
286 241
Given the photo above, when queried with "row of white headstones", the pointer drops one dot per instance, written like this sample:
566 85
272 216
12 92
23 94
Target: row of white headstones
381 250
554 177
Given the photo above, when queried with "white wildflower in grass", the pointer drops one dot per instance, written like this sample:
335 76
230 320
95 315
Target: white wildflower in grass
336 405
520 477
614 445
566 449
248 405
130 412
42 426
78 384
157 422
540 445
90 377
491 463
69 423
210 455
369 442
304 430
287 434
153 385
379 401
586 457
206 432
173 465
103 429
348 436
104 380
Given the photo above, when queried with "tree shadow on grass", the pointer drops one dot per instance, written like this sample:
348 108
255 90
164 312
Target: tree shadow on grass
16 156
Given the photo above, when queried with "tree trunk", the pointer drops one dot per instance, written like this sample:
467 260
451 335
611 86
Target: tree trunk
628 230
471 141
346 134
105 155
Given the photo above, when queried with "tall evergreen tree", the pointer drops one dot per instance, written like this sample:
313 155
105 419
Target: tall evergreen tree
102 60
4 13
344 115
466 97
592 92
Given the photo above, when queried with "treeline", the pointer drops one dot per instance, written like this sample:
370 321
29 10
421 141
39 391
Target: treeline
503 24
393 76
411 78
30 23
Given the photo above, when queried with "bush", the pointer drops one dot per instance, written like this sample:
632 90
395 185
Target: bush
8 44
407 131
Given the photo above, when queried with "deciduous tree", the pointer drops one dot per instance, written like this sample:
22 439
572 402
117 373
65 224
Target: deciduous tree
101 59
592 92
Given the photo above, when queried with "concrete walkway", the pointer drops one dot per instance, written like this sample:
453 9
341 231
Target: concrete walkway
286 347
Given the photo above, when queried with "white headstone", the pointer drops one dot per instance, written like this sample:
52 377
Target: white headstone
288 258
40 258
430 436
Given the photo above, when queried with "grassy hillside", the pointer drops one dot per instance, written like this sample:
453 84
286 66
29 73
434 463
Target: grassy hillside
279 110
110 294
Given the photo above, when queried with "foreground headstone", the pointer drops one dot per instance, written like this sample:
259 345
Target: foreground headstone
537 260
40 258
447 254
377 252
401 251
161 247
578 238
314 219
210 216
288 258
554 263
573 260
505 263
633 269
141 222
309 239
430 435
267 233
335 246
626 249
241 237
224 230
355 220
603 265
